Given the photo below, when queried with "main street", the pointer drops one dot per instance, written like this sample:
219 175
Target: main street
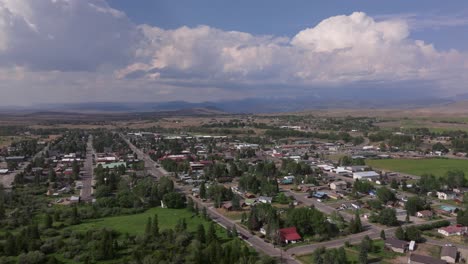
88 176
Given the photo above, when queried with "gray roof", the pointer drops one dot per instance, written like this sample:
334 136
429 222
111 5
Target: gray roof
396 243
426 259
449 251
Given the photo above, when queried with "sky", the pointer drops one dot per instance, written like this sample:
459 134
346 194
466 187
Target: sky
67 51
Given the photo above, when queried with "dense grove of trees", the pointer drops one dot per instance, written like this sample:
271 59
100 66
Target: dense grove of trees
25 148
104 140
71 142
284 133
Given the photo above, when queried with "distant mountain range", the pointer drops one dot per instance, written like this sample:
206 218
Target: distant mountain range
249 105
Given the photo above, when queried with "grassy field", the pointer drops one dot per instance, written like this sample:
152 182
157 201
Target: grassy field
437 167
352 254
135 224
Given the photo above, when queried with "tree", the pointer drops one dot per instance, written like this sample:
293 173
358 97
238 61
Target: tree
148 228
75 218
385 195
413 233
174 200
363 255
201 234
48 221
211 234
155 226
355 225
203 191
414 204
382 234
388 217
400 233
455 178
394 184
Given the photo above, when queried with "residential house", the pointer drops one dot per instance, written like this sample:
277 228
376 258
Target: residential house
449 254
454 230
289 235
265 199
227 206
424 214
445 196
420 259
396 245
338 185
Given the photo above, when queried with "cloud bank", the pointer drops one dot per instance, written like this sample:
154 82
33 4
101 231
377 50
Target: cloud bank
84 50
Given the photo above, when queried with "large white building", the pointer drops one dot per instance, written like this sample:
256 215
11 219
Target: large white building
365 175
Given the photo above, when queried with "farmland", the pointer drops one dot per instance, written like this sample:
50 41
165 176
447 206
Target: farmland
437 167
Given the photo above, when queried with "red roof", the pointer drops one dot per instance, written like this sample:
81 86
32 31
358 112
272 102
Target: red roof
289 234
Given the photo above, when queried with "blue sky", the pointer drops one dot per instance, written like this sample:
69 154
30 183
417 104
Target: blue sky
286 18
165 50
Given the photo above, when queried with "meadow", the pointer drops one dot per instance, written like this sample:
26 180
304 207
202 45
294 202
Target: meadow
437 167
135 224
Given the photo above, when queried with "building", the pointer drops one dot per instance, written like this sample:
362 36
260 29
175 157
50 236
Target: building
370 175
289 235
3 171
454 230
15 159
265 199
424 214
338 185
420 259
113 165
449 254
445 196
397 245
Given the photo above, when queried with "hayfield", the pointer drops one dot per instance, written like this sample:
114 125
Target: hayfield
437 167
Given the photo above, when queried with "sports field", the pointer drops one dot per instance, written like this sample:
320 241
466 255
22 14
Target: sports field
438 167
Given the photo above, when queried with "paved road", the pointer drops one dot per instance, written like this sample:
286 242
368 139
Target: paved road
88 176
257 243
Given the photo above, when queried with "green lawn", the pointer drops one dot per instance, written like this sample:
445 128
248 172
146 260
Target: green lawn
419 167
135 224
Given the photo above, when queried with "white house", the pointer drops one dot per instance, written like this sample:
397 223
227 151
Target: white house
265 199
445 196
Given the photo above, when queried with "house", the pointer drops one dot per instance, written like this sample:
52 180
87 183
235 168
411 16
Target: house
74 199
338 185
445 196
420 259
289 235
265 199
319 195
227 206
449 254
424 214
396 245
287 180
454 230
366 175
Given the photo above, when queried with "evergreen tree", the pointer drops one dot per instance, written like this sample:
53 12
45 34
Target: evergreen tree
148 228
10 245
155 227
201 233
400 233
48 222
203 191
382 234
211 235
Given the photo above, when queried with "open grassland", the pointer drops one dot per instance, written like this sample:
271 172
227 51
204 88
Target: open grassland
135 224
438 167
